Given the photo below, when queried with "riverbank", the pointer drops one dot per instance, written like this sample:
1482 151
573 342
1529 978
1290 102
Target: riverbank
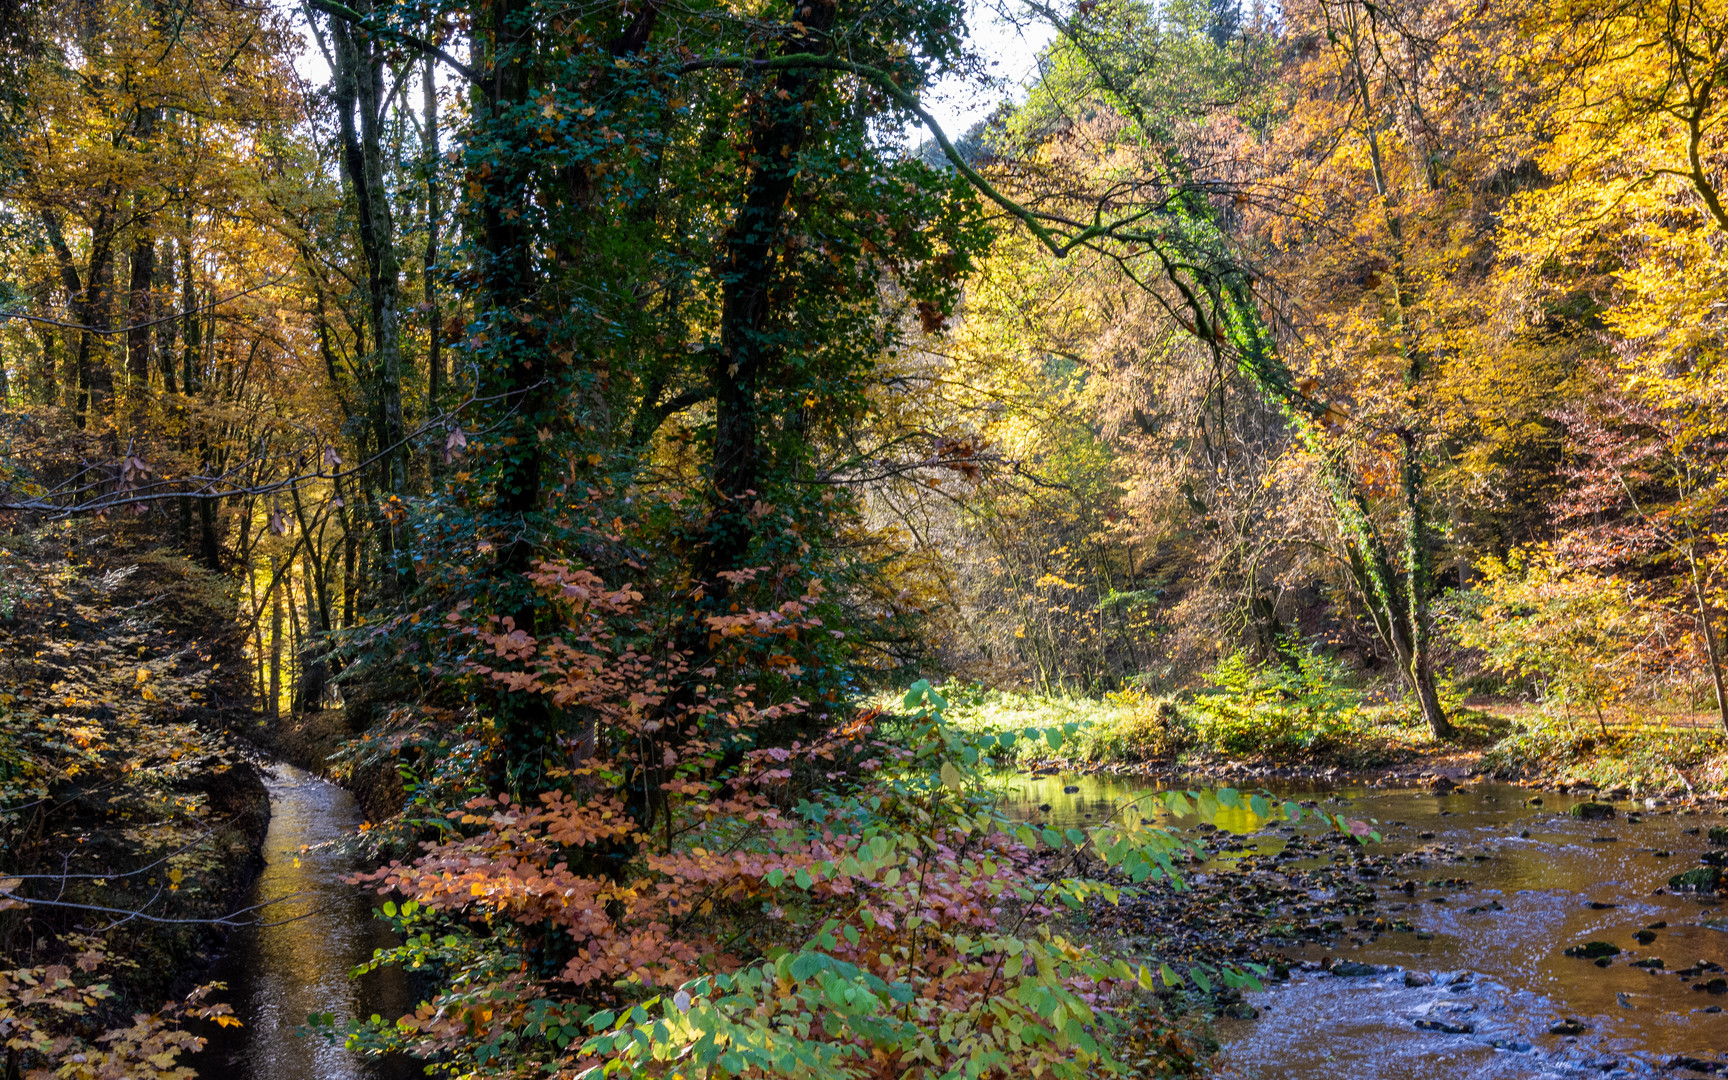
132 812
1219 740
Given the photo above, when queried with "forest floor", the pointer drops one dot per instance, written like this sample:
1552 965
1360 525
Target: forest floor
124 782
1674 755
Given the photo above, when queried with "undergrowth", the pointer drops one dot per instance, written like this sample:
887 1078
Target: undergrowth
1641 757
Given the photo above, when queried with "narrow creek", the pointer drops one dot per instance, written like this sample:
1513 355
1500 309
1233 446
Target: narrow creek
1479 986
298 961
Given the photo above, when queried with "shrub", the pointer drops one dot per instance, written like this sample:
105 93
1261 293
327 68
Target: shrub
837 908
1248 708
1585 639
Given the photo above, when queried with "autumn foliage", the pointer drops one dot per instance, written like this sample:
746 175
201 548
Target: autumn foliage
752 924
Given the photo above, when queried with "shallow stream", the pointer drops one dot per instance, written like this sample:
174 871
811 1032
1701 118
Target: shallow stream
1490 953
298 961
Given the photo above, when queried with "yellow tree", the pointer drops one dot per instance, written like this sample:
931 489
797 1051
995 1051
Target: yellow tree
1629 228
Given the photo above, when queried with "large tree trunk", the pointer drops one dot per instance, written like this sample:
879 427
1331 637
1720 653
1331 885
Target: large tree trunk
359 96
504 32
751 263
140 301
90 299
140 311
434 320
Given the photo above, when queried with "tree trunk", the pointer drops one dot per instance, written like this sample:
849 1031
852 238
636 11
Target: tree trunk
274 704
90 300
140 301
358 91
140 310
434 319
1712 646
751 266
168 329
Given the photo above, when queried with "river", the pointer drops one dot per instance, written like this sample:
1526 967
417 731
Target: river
298 962
1490 955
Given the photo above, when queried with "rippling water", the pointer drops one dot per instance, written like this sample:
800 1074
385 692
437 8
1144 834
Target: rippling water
279 973
1501 973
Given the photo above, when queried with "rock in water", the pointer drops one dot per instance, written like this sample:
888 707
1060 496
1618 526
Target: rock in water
1702 879
1592 811
1594 950
1446 1027
1568 1026
1719 834
1350 969
1418 978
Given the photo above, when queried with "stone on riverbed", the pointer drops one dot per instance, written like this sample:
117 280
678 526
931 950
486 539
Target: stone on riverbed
1702 879
1418 978
1350 969
1568 1026
1719 834
1594 950
1447 1027
1592 811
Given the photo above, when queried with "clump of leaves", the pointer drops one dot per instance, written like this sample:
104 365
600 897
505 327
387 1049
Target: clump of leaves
1281 708
1587 640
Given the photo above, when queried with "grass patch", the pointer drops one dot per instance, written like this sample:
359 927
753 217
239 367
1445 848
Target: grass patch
1641 757
1314 723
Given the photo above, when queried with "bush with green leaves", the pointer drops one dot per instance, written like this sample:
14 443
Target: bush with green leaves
1249 708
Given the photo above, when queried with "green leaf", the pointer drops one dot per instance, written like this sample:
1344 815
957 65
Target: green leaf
951 777
1168 974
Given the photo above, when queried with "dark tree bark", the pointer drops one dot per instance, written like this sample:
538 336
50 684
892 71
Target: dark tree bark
434 320
359 96
90 299
749 274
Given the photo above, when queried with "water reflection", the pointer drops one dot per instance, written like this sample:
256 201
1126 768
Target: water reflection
278 974
1547 880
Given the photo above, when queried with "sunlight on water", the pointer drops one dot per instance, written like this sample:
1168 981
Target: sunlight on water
279 973
1502 972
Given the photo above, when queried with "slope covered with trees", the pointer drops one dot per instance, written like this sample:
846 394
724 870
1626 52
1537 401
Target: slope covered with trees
581 410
